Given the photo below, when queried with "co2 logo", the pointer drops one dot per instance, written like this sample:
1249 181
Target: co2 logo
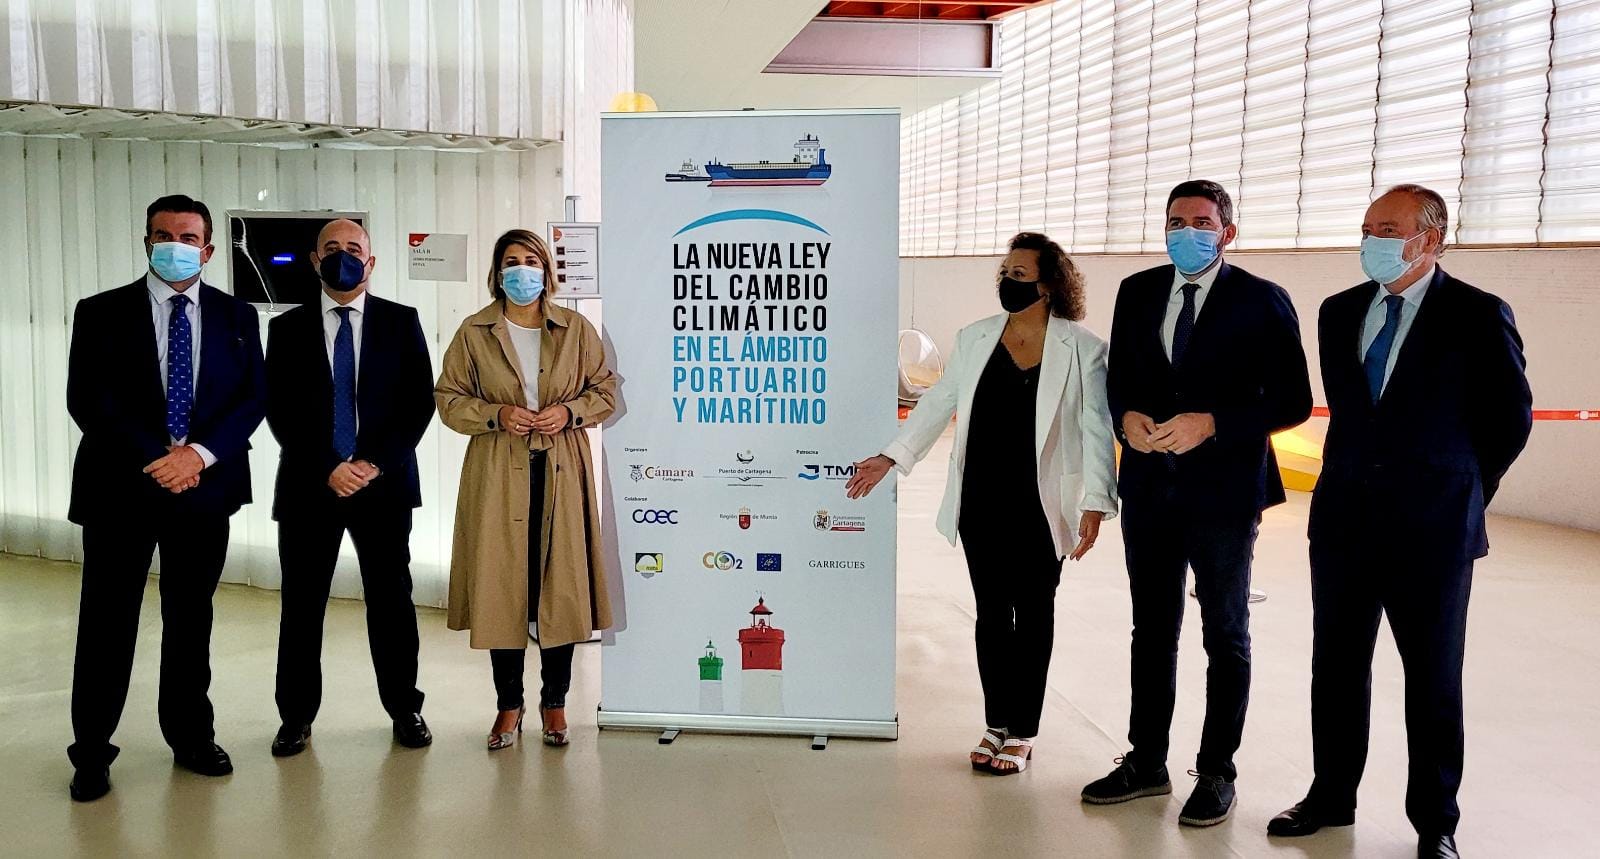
655 517
724 561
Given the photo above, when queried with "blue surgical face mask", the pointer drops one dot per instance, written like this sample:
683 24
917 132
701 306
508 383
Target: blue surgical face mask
523 284
1193 250
1384 259
342 271
174 262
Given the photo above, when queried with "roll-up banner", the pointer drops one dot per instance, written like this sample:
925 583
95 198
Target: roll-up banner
751 269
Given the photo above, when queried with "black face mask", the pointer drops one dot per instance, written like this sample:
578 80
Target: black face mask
1017 296
342 271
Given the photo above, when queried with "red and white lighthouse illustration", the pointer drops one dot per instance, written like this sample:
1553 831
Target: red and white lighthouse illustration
761 654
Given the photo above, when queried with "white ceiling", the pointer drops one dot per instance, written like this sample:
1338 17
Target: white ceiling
709 55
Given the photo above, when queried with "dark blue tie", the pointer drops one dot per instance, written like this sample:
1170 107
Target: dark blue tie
1185 326
344 387
180 369
1377 360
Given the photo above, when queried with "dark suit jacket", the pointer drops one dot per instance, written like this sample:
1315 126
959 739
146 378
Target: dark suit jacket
1424 462
115 395
394 403
1244 365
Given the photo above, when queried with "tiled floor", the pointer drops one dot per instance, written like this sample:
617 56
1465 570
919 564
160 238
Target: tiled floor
1533 712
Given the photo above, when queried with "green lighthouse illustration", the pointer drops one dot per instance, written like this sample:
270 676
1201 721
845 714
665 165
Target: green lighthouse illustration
710 680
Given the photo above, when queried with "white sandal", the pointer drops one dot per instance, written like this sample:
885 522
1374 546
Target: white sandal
1020 761
989 736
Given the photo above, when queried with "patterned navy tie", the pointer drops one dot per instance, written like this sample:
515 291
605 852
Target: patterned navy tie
1377 360
1185 326
180 369
344 387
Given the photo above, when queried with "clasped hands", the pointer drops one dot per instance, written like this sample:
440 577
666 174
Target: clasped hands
351 477
1180 435
179 470
547 421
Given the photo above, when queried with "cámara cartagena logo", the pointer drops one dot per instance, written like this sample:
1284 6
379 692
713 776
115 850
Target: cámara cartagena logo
641 473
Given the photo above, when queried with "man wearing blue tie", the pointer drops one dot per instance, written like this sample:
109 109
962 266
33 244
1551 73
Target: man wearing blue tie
1428 407
349 396
165 380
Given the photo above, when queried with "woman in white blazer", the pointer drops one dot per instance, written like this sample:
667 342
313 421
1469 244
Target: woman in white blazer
1032 475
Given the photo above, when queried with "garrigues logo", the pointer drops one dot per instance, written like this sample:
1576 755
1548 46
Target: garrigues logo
837 565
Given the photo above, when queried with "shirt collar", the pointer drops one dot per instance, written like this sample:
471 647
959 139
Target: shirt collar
1205 280
359 304
162 292
1413 294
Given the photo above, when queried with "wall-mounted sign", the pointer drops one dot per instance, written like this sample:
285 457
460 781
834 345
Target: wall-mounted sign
439 256
576 247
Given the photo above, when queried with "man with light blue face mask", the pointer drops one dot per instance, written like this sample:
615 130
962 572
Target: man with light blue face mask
349 396
165 380
1205 365
1428 405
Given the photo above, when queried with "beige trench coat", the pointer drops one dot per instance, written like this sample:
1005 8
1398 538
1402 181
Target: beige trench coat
489 559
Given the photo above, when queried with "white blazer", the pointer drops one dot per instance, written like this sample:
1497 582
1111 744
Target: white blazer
1074 447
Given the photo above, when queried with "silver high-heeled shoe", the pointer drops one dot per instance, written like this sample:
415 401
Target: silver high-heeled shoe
509 738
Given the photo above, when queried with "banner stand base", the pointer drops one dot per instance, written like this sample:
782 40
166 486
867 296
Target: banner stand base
816 729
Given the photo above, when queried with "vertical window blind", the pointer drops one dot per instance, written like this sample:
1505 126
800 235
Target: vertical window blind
1303 109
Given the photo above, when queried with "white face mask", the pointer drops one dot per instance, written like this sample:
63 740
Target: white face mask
1384 259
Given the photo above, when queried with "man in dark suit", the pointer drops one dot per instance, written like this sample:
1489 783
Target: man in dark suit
349 395
165 380
1205 365
1428 407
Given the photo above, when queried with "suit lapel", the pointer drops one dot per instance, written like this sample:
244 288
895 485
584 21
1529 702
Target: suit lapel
1213 309
1055 367
148 359
216 329
1412 350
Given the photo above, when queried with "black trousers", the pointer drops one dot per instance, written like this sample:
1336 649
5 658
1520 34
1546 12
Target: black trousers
116 565
308 549
1165 535
1015 571
555 663
1427 608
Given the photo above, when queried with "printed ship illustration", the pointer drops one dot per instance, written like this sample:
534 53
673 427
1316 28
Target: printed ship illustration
809 167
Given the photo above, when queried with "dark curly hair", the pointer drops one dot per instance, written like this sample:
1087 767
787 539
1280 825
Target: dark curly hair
1056 271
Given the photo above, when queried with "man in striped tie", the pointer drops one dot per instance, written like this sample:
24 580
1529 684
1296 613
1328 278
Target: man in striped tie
1428 407
165 379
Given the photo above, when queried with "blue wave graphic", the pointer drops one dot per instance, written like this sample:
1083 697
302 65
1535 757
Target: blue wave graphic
750 215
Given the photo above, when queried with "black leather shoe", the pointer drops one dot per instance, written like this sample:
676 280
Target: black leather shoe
1306 818
411 732
1127 782
1438 847
209 760
90 784
1210 804
291 740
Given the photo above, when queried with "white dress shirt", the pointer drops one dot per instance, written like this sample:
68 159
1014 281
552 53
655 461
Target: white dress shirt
1378 313
161 294
330 331
525 342
1204 280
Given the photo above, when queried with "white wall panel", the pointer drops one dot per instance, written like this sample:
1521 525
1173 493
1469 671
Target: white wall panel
478 67
79 230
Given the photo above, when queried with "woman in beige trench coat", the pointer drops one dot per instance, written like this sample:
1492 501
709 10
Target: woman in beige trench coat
524 378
